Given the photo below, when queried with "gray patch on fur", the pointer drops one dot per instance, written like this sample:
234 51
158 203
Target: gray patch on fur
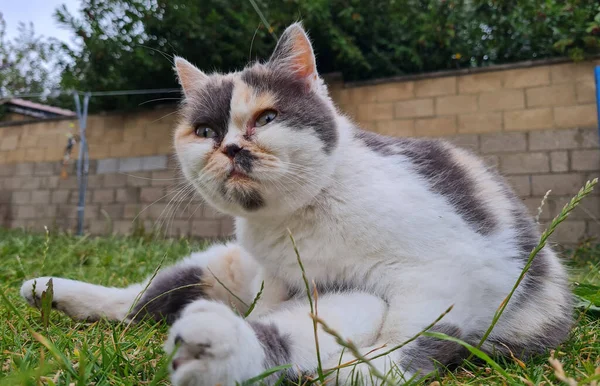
244 159
297 105
169 292
427 355
275 345
434 162
250 200
210 105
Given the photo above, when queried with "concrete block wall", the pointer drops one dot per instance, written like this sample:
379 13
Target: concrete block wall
123 194
535 122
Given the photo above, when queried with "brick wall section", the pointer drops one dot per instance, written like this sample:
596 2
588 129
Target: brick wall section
535 124
122 194
148 189
521 99
109 136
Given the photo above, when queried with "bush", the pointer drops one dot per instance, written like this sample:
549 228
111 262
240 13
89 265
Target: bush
125 44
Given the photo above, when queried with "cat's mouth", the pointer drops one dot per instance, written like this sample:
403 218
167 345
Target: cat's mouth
237 174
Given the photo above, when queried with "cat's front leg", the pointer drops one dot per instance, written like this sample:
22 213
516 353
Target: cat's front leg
215 346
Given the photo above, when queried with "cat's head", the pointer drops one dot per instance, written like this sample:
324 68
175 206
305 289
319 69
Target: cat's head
260 141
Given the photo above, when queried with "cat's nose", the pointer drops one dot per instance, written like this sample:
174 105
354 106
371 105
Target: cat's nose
231 150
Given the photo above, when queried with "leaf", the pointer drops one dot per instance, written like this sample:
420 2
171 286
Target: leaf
46 303
587 297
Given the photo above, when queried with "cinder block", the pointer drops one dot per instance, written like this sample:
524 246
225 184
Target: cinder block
60 196
395 91
527 77
375 112
128 195
576 116
46 169
554 139
103 196
115 180
560 184
108 165
414 108
158 162
435 127
503 142
555 95
435 87
525 163
499 100
480 123
206 228
133 164
559 161
40 197
152 194
569 232
9 143
465 141
139 179
562 73
21 197
24 169
532 119
7 170
585 160
456 104
521 185
114 211
477 83
586 92
164 178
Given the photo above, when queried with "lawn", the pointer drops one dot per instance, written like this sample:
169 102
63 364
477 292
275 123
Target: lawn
105 353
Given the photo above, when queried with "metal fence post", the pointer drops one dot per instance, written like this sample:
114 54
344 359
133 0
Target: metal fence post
83 160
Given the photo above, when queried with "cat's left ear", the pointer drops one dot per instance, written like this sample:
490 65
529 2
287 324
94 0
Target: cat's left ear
294 54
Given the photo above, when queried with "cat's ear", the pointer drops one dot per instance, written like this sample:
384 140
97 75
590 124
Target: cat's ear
189 75
294 54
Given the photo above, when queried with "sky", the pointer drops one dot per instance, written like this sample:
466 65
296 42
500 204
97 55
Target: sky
39 12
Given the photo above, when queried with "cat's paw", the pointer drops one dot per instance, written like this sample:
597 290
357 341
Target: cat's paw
214 347
32 289
69 296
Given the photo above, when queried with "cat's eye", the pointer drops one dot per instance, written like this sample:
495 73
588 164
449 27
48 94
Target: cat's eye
265 117
204 132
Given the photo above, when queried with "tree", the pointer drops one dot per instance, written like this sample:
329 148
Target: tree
25 62
128 44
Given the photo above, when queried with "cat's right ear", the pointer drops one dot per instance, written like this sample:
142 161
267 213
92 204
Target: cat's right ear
190 76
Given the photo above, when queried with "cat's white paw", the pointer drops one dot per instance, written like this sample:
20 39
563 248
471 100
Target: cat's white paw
214 347
32 290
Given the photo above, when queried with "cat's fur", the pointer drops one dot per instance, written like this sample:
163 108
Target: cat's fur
392 232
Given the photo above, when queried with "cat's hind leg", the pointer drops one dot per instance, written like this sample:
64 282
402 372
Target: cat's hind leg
83 301
216 273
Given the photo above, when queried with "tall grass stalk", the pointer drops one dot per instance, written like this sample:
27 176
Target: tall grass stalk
562 216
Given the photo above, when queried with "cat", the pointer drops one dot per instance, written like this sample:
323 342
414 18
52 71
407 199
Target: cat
391 231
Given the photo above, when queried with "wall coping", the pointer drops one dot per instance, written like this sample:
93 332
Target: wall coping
460 72
30 121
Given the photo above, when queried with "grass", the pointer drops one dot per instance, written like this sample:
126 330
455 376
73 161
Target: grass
41 348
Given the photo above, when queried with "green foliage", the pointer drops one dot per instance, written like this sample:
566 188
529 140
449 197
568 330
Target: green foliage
25 62
128 44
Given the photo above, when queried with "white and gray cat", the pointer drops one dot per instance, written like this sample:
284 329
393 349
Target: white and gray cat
392 231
